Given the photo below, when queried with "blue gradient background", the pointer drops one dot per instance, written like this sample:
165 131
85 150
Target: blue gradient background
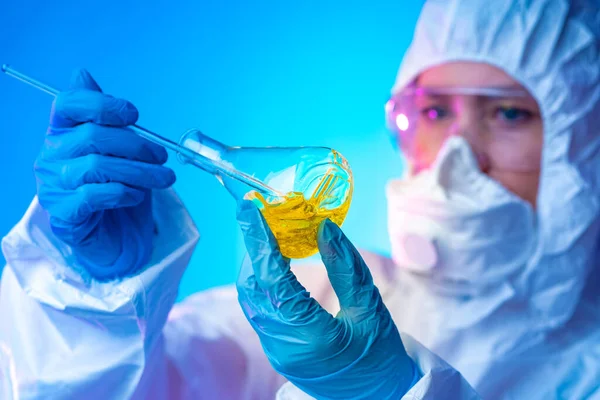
261 73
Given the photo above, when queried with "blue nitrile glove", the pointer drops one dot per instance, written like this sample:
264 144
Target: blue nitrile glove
356 355
95 176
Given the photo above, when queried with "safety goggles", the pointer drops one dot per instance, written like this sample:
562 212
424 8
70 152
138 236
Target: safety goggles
425 116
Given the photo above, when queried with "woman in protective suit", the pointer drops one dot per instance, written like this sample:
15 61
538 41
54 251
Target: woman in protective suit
490 290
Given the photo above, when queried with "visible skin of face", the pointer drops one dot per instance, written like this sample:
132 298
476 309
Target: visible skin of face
505 134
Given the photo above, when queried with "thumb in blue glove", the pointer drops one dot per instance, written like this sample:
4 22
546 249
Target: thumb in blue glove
95 177
357 354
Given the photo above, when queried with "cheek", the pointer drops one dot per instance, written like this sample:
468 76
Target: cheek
515 163
522 184
426 147
520 152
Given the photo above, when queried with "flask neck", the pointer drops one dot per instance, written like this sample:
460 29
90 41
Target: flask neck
204 145
205 152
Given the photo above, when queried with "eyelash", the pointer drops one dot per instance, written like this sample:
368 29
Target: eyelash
427 110
523 114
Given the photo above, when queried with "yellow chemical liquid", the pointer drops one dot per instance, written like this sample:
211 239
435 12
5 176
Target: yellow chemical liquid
294 219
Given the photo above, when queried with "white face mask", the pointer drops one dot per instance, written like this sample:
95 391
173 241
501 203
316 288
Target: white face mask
456 225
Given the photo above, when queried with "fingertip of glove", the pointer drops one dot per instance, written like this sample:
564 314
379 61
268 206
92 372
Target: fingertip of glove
161 155
82 79
82 73
167 179
130 113
116 112
171 177
77 77
329 239
328 230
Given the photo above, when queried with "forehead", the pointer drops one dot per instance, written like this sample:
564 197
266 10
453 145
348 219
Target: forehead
473 75
466 74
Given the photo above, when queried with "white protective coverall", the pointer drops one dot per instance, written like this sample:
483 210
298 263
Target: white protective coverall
531 334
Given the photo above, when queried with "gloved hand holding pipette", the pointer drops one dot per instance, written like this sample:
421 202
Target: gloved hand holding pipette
95 178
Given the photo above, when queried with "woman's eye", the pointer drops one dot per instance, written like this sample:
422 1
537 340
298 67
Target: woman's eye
513 114
434 113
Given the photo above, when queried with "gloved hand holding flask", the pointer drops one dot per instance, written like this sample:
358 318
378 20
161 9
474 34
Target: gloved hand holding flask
356 354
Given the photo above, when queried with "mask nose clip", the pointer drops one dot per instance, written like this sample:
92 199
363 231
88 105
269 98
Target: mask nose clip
472 138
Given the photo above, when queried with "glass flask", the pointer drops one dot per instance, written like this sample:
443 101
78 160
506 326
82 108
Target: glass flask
303 186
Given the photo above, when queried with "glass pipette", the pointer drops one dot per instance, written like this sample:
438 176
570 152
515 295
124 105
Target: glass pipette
195 158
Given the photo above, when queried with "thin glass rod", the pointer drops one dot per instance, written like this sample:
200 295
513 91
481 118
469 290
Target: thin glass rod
198 159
